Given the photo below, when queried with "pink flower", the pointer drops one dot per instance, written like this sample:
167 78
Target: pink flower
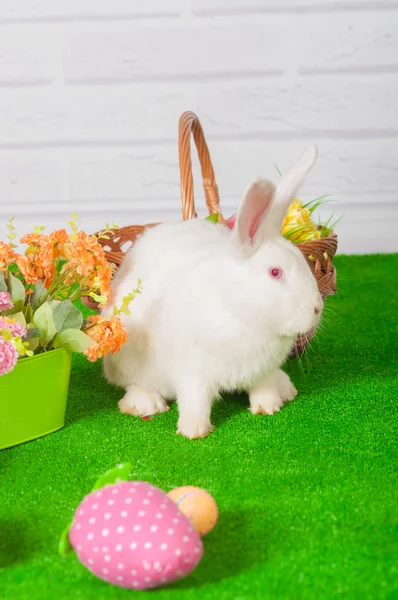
8 356
16 328
5 301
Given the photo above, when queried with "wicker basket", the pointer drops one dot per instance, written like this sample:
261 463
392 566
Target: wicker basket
321 251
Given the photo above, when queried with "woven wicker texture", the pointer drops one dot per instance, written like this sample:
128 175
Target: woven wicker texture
319 253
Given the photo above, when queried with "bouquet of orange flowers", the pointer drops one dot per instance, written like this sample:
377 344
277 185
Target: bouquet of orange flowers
39 290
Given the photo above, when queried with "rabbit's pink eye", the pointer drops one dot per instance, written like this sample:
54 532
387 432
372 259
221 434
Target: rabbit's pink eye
276 273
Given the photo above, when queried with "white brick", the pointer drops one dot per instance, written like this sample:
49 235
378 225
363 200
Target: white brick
151 174
312 106
27 56
26 10
376 232
348 42
344 167
30 179
95 114
242 6
125 174
189 49
317 106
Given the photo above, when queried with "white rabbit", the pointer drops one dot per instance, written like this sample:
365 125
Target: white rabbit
219 310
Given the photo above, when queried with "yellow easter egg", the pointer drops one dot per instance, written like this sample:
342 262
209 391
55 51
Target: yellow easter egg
197 505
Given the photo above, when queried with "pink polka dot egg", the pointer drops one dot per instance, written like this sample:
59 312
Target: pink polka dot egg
131 534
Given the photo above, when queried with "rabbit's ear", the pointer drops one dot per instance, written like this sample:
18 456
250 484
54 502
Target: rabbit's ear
291 181
255 203
286 190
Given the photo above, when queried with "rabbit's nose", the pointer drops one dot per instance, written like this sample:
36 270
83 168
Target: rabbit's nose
317 309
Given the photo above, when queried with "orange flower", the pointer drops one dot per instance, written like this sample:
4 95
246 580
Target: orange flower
87 264
37 263
7 255
58 238
108 335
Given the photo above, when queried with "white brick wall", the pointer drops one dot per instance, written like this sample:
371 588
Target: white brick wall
91 92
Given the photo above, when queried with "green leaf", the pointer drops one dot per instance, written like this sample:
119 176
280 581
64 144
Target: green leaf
33 336
28 312
313 207
319 200
18 307
16 288
124 307
20 318
43 320
212 218
38 295
120 473
32 333
126 300
3 287
54 303
67 316
72 340
64 545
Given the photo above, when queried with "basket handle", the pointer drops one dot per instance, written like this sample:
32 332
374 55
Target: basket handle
190 124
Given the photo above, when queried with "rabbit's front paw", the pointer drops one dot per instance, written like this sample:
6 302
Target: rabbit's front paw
265 402
193 429
139 403
271 393
285 386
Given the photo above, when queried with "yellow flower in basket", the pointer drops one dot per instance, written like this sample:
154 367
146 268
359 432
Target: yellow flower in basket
297 225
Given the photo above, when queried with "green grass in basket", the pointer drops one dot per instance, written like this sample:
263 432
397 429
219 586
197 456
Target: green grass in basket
307 497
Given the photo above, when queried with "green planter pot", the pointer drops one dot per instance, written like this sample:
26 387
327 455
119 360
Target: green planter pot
33 397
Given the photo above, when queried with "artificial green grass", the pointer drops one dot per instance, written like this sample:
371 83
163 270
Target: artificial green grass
307 497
